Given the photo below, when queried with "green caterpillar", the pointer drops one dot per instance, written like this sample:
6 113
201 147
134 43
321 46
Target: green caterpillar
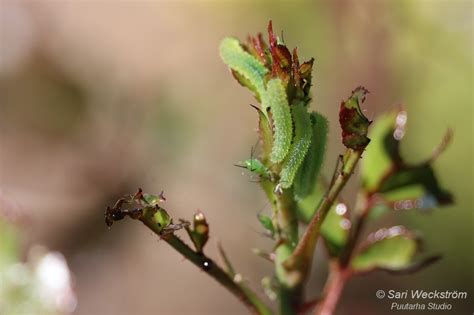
300 145
248 70
305 180
283 131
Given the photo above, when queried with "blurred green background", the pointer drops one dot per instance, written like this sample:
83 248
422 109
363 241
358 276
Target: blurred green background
98 98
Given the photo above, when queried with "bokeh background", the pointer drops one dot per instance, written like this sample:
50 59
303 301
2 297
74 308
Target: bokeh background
100 97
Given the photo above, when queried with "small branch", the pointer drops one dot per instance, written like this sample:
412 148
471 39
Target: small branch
290 292
363 206
448 137
247 296
333 289
225 260
302 257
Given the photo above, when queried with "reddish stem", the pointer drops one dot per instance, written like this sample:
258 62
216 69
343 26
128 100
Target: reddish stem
332 292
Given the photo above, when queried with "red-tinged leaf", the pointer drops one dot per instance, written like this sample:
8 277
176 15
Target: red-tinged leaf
271 36
416 266
392 250
353 123
261 47
295 66
257 47
281 57
306 75
306 68
387 249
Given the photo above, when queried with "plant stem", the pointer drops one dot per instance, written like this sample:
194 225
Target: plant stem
333 289
289 294
288 221
303 255
361 211
340 270
246 295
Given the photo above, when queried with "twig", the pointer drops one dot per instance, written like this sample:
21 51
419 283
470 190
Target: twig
302 257
333 289
247 296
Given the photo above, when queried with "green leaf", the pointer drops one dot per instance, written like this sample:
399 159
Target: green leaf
306 207
377 161
152 200
387 249
300 146
247 69
335 229
266 135
267 223
281 115
306 178
384 171
354 124
412 178
284 276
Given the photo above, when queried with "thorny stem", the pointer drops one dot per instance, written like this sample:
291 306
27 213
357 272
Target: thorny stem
246 295
303 255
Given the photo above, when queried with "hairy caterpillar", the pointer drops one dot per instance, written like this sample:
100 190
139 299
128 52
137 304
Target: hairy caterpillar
300 146
247 69
283 131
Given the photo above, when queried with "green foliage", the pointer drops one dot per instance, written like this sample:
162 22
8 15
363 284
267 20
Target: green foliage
335 229
266 135
384 170
293 145
306 207
377 161
152 200
388 249
307 175
299 147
